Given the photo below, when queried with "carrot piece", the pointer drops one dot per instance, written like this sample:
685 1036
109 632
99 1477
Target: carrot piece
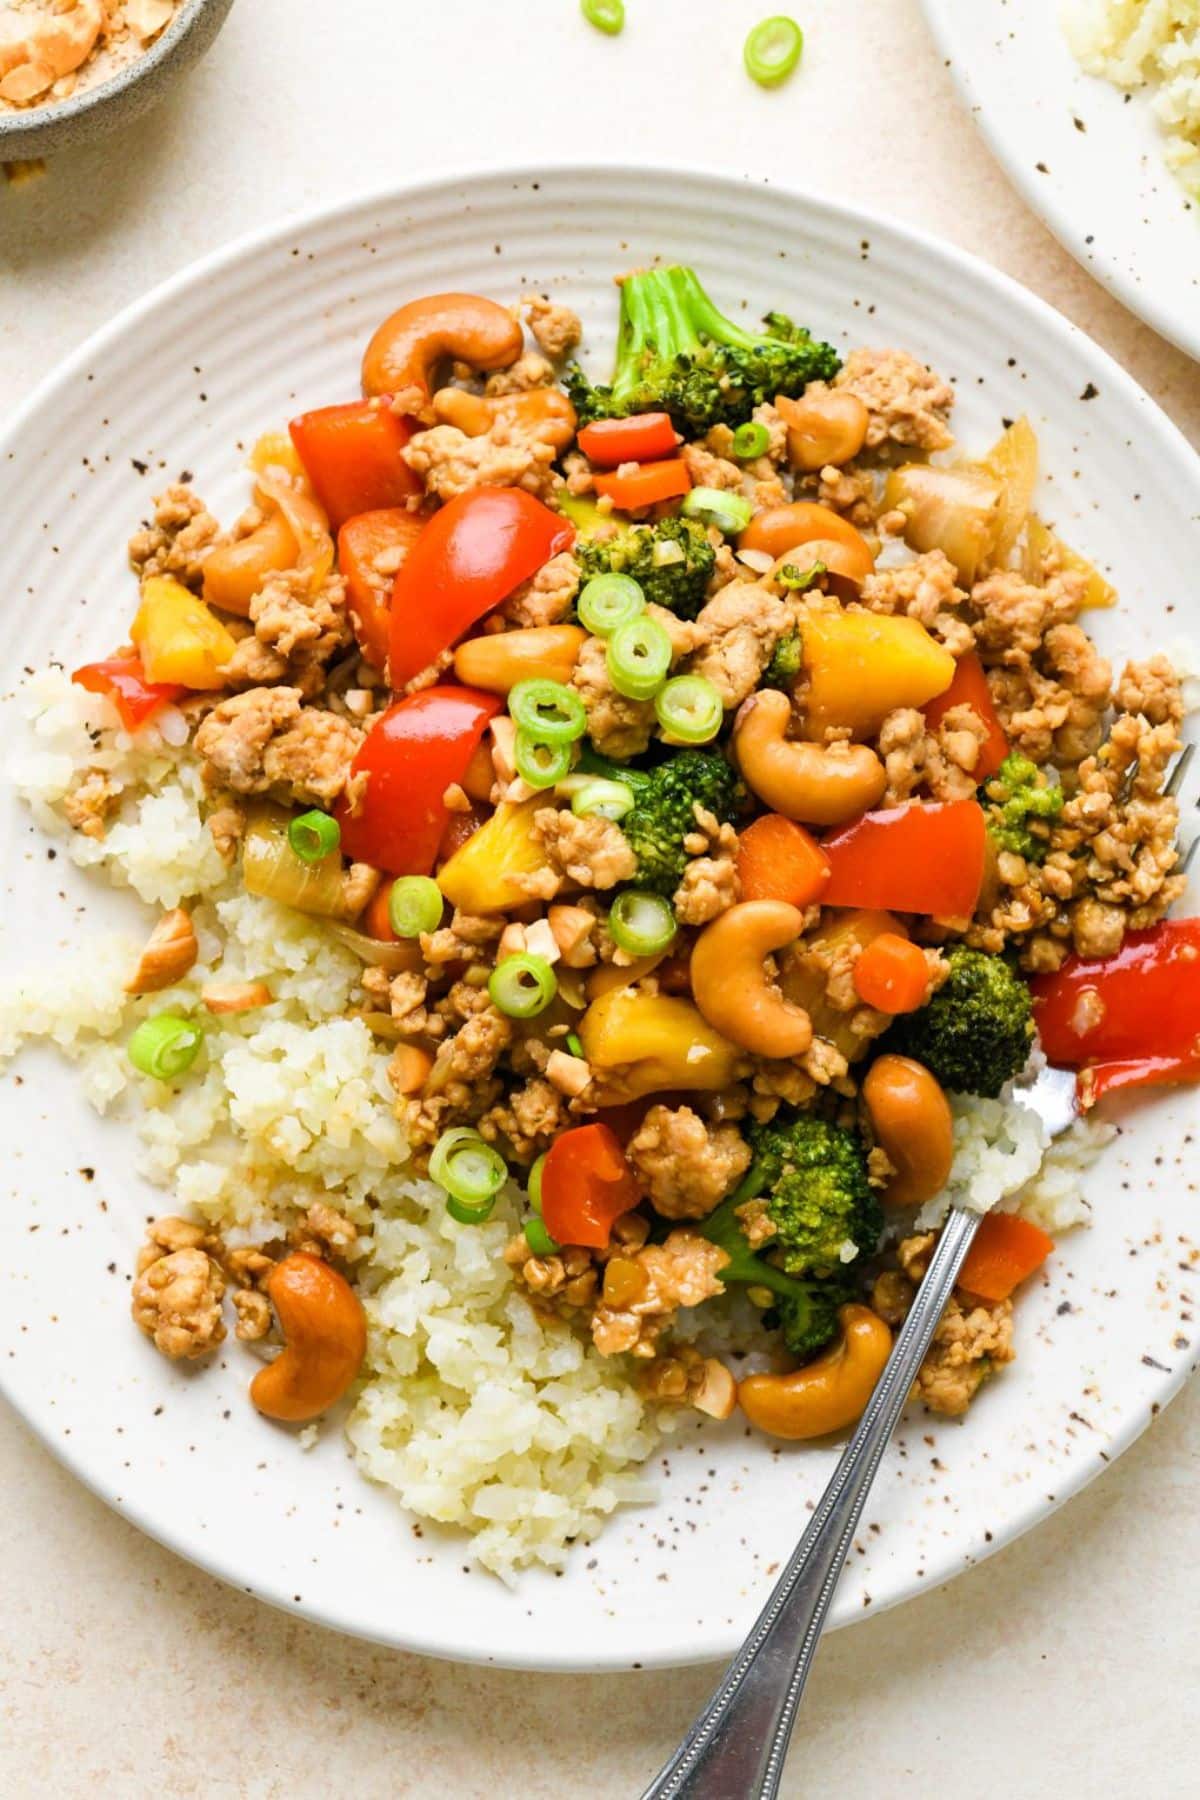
1005 1252
377 920
779 860
969 688
646 484
891 974
611 442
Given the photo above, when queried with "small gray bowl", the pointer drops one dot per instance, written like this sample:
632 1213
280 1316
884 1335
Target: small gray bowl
81 119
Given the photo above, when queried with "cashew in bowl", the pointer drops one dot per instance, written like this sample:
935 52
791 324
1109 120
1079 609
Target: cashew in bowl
828 1394
730 984
817 784
544 413
823 428
407 349
913 1125
325 1335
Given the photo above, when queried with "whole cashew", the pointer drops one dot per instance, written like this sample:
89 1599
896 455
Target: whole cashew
828 1394
234 572
779 529
544 414
326 1339
730 984
912 1122
822 428
403 356
817 784
499 659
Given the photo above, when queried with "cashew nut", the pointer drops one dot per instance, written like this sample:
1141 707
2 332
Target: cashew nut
167 954
544 414
828 1394
406 350
235 572
730 983
32 59
325 1334
823 428
780 529
499 659
817 784
913 1125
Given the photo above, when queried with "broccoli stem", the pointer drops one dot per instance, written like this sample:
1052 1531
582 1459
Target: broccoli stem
723 1229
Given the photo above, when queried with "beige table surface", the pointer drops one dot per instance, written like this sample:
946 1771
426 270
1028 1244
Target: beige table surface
1070 1662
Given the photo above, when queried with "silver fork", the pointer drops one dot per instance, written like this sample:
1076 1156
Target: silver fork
735 1750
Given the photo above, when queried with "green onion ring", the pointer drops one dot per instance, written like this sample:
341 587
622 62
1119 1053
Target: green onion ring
730 513
164 1046
414 905
314 836
689 709
539 763
606 15
522 986
641 923
534 1184
608 601
750 440
539 1239
772 50
549 711
639 655
600 798
471 1171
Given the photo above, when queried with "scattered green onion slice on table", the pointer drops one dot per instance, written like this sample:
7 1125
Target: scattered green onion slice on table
639 655
641 923
796 579
689 709
522 986
600 798
730 513
314 836
608 601
549 711
750 440
471 1171
772 50
606 15
414 905
164 1046
539 763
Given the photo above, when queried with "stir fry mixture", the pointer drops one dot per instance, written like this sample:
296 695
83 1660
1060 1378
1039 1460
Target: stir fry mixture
715 782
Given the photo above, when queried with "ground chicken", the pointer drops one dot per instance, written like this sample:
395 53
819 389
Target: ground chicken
927 590
324 1231
89 803
556 328
971 1342
451 463
737 631
547 596
685 1166
593 852
952 753
462 1083
298 624
182 534
527 373
1013 616
907 402
901 747
710 471
849 491
710 884
646 1289
618 727
528 1120
1151 689
461 941
177 1293
227 824
265 739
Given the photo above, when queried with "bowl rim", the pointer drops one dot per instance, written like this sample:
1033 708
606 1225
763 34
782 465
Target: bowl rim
455 187
52 113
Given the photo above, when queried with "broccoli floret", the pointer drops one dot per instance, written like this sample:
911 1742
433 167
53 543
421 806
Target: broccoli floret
804 1310
671 561
1018 794
663 812
975 1034
677 353
785 662
813 1176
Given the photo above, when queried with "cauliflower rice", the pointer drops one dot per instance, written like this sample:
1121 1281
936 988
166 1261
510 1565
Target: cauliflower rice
1139 43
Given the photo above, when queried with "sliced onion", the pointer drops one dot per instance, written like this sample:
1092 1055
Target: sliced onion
307 520
954 510
382 1025
394 957
271 869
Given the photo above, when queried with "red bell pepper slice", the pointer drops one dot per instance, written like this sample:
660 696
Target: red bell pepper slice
639 438
586 1185
410 757
471 555
361 542
970 688
351 455
123 679
646 485
926 857
1103 1078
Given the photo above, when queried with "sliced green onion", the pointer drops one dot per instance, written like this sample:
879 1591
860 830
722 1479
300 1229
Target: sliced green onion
534 1184
164 1046
539 1239
750 440
796 579
414 905
730 513
641 923
549 711
639 655
606 15
539 763
574 1043
772 50
314 835
602 799
471 1171
609 601
689 709
522 986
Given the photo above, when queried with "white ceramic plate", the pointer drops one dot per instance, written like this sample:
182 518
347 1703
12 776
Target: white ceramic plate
1086 157
180 381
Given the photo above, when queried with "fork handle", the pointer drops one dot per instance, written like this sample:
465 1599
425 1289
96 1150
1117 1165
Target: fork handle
735 1750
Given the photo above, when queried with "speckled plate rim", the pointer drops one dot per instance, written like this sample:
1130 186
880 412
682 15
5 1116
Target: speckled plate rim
717 1641
1054 198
